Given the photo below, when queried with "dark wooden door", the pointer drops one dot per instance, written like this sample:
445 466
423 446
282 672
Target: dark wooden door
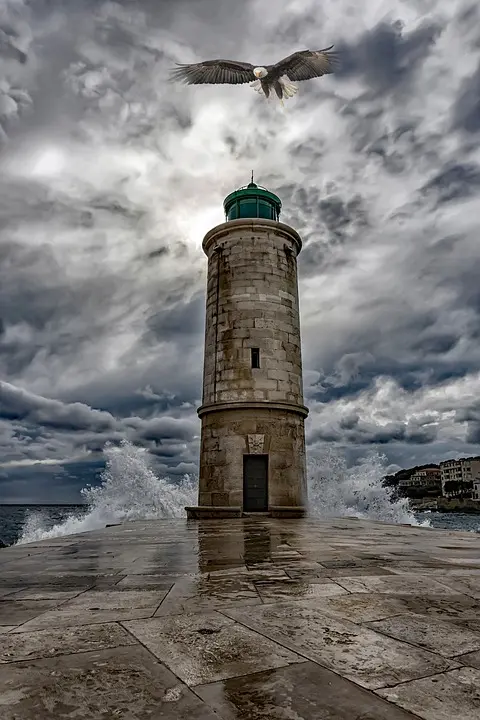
255 483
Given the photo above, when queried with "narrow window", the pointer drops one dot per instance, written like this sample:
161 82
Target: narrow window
255 357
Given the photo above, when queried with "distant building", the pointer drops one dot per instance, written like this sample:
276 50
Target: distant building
476 490
459 477
428 479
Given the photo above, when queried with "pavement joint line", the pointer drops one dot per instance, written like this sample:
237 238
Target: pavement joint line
384 632
164 598
150 652
60 655
60 627
423 677
413 715
301 653
464 594
350 592
43 613
329 669
249 674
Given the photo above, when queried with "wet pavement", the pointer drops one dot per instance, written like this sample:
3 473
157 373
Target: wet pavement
242 619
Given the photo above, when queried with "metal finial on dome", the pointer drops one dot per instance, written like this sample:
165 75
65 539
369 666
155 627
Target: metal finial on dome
252 184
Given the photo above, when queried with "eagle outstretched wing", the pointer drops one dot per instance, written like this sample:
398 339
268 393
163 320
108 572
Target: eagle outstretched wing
214 72
306 64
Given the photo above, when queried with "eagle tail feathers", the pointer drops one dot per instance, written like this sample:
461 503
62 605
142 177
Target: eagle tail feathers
289 88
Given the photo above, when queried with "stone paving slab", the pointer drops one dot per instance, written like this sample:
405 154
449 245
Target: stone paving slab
370 659
52 642
441 637
63 581
124 682
20 611
292 590
249 619
8 590
98 606
466 584
396 585
368 607
471 659
145 582
39 593
297 692
196 595
202 648
455 694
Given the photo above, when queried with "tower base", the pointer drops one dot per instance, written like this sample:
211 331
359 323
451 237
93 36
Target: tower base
288 511
210 512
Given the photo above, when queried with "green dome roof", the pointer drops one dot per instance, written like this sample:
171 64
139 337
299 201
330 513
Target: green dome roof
252 201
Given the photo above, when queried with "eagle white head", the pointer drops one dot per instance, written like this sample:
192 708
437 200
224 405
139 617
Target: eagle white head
260 72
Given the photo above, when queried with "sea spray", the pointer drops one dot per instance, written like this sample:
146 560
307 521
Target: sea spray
335 490
129 490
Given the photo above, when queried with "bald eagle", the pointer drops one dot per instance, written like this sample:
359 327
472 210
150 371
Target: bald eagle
301 65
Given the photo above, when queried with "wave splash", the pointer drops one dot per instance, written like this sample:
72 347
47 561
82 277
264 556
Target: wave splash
335 490
130 490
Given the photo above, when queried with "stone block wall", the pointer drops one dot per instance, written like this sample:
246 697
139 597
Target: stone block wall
229 434
252 302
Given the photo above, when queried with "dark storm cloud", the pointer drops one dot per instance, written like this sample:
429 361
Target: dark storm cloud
36 430
470 414
466 108
16 404
336 221
184 317
454 182
387 55
354 430
41 484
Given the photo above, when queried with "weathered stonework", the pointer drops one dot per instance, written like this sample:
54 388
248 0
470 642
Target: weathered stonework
252 302
225 439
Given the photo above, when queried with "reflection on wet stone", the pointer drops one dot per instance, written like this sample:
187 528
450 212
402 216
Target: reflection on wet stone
298 692
257 546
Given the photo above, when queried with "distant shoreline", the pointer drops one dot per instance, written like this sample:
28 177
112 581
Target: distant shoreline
37 504
445 505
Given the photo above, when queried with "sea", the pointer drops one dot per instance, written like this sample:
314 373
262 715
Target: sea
130 489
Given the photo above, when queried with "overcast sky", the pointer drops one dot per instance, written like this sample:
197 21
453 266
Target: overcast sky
110 176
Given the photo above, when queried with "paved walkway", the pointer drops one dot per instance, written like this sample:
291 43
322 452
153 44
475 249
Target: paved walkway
242 620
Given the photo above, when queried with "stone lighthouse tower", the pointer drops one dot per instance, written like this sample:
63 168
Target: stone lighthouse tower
252 456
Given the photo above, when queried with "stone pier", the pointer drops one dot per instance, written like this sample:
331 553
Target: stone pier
246 619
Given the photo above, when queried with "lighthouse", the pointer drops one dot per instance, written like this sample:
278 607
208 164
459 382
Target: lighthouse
252 454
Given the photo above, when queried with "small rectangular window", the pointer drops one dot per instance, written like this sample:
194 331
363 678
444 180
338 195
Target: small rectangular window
255 357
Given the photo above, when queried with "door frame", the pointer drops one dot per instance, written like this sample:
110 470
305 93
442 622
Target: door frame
267 478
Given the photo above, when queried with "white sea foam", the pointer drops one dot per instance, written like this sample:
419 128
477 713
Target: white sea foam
335 490
130 490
